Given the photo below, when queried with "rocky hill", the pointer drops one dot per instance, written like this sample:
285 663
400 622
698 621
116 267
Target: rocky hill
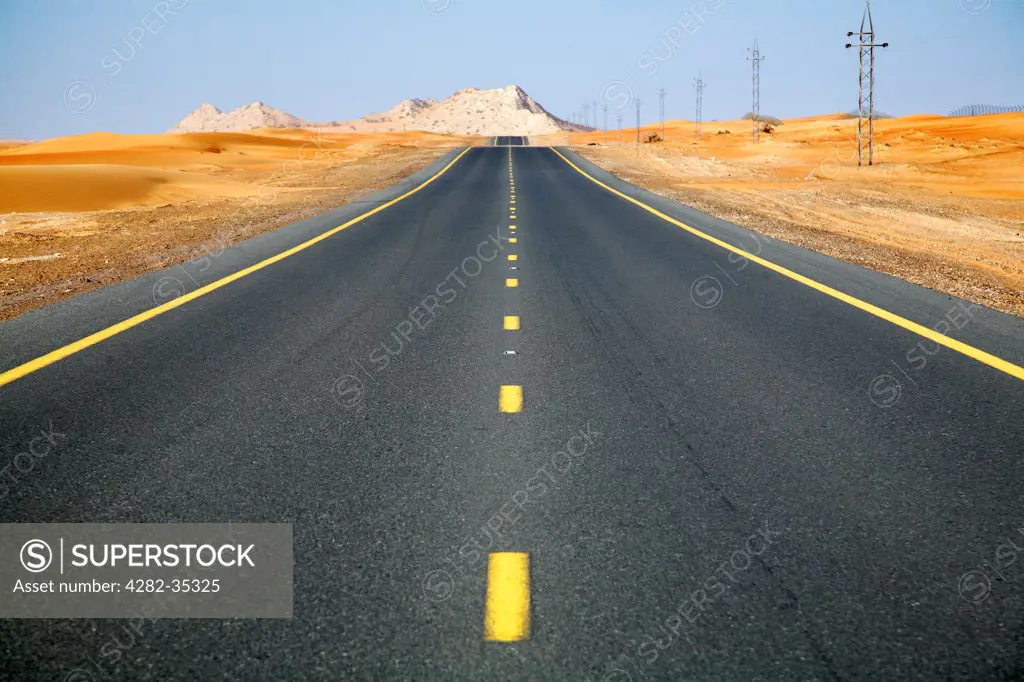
503 111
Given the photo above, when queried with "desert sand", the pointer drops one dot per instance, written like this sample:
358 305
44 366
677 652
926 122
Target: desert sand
81 212
942 207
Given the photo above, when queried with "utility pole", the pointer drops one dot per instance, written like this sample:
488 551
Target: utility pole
699 84
661 110
638 103
866 118
755 59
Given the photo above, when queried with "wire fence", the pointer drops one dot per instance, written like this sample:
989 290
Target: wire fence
986 110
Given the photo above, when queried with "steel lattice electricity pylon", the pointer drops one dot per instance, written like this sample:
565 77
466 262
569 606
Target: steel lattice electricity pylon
700 85
755 59
638 104
661 110
866 86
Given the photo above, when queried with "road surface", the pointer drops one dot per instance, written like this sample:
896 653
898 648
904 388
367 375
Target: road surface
636 453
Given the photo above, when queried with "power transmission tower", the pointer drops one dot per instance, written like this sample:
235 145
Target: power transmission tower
638 103
755 59
661 110
699 84
595 115
586 114
605 107
866 86
619 115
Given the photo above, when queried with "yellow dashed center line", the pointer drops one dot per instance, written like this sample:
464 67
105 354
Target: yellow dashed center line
511 399
511 323
513 257
512 282
508 597
512 240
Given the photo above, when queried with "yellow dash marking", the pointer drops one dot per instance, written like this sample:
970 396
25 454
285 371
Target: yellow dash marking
511 399
512 282
507 618
512 240
941 339
53 356
513 257
511 323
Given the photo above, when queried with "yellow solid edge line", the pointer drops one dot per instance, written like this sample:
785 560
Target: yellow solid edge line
511 282
510 399
53 356
512 323
507 615
968 350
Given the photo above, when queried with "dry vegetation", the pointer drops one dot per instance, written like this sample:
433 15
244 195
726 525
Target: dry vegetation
79 213
943 207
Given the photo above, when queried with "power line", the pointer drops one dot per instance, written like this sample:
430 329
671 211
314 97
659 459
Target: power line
866 121
755 59
699 84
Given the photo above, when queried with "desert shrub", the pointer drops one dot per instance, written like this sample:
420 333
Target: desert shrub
653 137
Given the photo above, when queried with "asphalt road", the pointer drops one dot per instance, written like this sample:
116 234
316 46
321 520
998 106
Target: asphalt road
716 471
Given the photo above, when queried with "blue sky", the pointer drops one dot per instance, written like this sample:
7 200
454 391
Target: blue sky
136 66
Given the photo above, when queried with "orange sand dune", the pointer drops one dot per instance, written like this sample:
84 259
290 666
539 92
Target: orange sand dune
95 187
103 171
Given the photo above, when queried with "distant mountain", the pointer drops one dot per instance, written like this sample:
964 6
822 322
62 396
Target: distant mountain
208 118
503 111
